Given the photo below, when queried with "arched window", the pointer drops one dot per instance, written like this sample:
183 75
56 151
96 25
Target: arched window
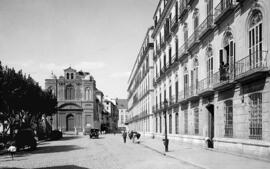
67 75
227 56
255 38
70 92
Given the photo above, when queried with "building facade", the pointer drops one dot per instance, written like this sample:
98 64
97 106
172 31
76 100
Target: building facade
76 97
122 108
140 88
110 115
211 64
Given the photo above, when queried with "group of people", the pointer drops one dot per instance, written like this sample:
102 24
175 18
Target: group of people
133 135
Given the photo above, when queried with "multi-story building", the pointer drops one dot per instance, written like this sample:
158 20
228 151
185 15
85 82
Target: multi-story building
122 108
140 88
211 63
76 97
110 114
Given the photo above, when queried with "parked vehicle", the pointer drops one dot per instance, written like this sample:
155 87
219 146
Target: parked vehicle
94 133
56 135
25 137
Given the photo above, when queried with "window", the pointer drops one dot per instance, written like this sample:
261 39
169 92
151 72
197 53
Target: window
156 124
170 123
72 76
196 121
186 121
160 124
70 92
87 94
176 91
186 85
67 75
210 67
228 118
255 39
176 123
255 116
122 119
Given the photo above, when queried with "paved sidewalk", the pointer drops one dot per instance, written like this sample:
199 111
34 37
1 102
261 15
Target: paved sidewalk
203 158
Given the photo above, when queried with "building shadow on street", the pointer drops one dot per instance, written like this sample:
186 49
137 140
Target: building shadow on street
66 138
54 167
48 149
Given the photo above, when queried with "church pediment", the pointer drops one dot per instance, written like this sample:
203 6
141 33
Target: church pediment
69 106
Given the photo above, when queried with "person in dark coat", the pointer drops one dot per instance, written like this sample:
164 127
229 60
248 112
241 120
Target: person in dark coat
124 136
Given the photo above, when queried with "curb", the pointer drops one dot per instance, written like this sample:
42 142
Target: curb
173 157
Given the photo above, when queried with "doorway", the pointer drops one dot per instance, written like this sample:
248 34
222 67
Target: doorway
211 125
70 122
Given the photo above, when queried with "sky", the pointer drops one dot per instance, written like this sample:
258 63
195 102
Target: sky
102 37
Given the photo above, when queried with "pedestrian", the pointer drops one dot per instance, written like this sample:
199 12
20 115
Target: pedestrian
124 136
12 149
134 136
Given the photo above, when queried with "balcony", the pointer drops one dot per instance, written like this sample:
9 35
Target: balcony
192 92
162 17
189 2
253 66
181 97
183 9
206 26
163 44
158 52
183 52
168 36
206 86
223 9
162 75
193 40
174 24
223 79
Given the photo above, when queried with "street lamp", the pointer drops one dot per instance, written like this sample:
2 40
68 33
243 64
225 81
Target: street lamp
166 140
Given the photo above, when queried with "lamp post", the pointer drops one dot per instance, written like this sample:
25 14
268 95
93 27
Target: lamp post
166 140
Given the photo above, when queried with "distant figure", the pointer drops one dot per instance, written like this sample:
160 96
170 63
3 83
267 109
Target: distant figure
12 149
124 136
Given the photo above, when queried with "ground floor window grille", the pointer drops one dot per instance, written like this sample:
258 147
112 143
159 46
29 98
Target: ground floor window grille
228 118
176 124
255 116
186 121
196 121
170 123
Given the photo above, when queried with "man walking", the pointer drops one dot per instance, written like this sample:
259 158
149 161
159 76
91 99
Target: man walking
124 136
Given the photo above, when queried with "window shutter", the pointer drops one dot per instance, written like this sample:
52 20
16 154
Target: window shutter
220 55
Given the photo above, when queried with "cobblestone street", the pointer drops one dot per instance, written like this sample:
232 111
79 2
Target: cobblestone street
108 152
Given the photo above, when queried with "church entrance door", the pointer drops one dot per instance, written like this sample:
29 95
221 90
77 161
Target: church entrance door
70 122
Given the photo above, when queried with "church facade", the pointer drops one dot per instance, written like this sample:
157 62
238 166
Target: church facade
75 92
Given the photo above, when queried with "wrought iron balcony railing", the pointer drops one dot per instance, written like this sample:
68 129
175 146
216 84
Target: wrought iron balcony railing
193 39
255 62
223 78
223 9
206 85
183 9
183 51
206 25
174 23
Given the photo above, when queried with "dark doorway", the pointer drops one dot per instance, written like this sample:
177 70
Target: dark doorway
70 122
211 124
